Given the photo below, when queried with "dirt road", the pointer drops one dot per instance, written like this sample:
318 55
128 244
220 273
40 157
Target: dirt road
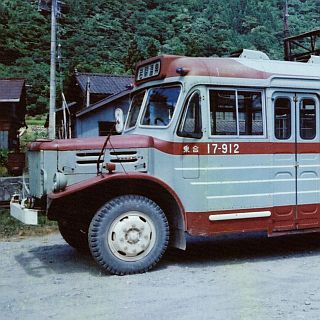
226 278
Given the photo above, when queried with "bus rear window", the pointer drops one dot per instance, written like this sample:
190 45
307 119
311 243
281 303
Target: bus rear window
160 106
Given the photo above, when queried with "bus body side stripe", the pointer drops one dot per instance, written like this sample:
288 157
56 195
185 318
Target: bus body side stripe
240 215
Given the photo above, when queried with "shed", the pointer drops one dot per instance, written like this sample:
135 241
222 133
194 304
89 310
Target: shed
98 118
12 112
85 91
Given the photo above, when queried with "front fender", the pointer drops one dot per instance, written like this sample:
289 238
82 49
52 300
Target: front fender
61 203
95 181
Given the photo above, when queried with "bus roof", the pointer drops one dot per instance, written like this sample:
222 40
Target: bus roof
166 66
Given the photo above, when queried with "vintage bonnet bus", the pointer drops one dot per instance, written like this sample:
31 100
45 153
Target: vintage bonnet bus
209 146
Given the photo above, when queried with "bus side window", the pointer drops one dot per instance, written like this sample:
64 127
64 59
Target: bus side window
223 110
236 112
307 119
282 118
250 113
190 124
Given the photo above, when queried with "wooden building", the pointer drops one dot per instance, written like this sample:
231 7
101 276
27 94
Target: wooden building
302 47
12 112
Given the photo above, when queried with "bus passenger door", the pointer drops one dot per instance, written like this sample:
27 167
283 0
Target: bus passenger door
308 160
296 162
284 162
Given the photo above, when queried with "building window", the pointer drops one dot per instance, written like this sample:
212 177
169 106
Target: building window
4 140
106 127
236 112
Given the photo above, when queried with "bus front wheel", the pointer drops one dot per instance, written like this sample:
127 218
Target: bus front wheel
128 235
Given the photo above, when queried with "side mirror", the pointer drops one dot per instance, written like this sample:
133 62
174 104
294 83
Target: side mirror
118 114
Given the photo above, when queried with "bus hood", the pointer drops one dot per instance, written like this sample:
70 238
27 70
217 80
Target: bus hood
94 143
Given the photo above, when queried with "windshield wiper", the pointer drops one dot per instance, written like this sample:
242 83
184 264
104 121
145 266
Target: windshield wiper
103 149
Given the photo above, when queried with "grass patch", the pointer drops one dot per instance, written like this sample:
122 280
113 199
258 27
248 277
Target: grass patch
12 228
3 171
38 120
35 122
3 162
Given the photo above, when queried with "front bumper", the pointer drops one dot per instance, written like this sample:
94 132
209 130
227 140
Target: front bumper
21 213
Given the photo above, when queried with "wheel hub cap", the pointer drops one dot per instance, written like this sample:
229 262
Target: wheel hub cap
131 236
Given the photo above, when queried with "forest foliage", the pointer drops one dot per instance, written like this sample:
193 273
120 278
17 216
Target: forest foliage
111 36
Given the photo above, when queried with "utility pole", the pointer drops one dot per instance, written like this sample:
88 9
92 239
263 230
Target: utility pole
54 7
52 106
286 30
88 92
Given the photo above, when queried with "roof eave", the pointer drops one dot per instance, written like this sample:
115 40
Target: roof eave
9 100
103 102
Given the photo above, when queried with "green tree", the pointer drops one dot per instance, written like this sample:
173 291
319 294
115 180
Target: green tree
134 55
111 36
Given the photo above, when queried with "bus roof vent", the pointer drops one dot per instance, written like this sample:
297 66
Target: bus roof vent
314 59
250 54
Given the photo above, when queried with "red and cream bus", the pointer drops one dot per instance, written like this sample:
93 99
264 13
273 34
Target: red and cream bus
210 146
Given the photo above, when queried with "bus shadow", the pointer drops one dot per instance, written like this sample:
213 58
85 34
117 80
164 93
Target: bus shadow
242 248
56 259
201 251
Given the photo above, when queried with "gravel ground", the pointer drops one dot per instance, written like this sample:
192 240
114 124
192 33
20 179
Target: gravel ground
234 277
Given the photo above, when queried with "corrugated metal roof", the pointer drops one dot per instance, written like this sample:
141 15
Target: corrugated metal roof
104 83
11 90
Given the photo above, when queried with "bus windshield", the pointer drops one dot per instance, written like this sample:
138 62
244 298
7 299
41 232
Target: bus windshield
135 109
160 106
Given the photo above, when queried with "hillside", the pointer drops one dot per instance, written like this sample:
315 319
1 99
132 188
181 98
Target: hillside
110 36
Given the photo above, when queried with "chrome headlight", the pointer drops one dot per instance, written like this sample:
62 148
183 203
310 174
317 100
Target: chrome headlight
60 182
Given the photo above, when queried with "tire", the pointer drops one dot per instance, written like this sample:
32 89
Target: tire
74 235
128 235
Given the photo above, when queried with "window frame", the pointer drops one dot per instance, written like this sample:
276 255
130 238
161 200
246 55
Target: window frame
292 117
183 115
7 137
145 90
144 106
238 135
315 118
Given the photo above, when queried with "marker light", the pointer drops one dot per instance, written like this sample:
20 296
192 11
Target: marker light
182 71
148 71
